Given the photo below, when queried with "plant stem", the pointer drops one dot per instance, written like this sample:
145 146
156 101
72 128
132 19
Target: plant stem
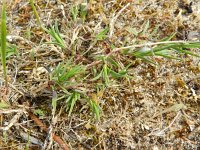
35 13
146 44
3 42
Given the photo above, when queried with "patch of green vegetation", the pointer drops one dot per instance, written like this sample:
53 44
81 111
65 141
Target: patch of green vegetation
65 71
68 74
79 10
102 34
71 101
39 112
95 108
56 36
4 105
168 50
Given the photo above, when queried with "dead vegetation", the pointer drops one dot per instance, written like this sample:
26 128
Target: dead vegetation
95 77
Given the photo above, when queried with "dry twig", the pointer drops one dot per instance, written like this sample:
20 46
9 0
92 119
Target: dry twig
56 138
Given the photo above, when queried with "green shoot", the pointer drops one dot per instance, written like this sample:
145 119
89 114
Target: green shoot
167 50
79 10
83 11
95 108
3 105
39 112
5 136
74 12
3 42
105 74
168 37
55 34
36 14
71 101
102 35
65 71
11 50
107 71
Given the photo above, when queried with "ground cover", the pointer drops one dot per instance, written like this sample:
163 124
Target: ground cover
100 75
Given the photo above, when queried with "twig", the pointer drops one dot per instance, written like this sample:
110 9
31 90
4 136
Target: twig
114 18
12 121
158 133
191 133
56 138
93 64
13 87
49 138
142 45
8 111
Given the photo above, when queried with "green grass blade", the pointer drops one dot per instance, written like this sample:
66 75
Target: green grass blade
55 34
102 35
36 14
74 13
180 50
168 38
105 74
119 74
191 45
97 77
83 11
95 108
113 62
3 41
71 101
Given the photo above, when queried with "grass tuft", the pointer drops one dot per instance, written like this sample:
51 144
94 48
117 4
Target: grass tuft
55 34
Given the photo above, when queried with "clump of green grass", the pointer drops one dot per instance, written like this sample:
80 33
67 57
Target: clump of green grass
56 36
3 42
65 71
62 76
108 71
95 108
165 50
53 31
71 101
79 10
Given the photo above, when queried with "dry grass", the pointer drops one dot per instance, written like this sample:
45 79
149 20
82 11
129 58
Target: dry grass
73 60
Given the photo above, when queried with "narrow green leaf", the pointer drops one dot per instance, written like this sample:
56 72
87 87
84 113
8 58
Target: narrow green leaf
95 109
3 105
3 42
105 74
98 76
119 74
102 35
145 27
168 38
36 14
71 101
